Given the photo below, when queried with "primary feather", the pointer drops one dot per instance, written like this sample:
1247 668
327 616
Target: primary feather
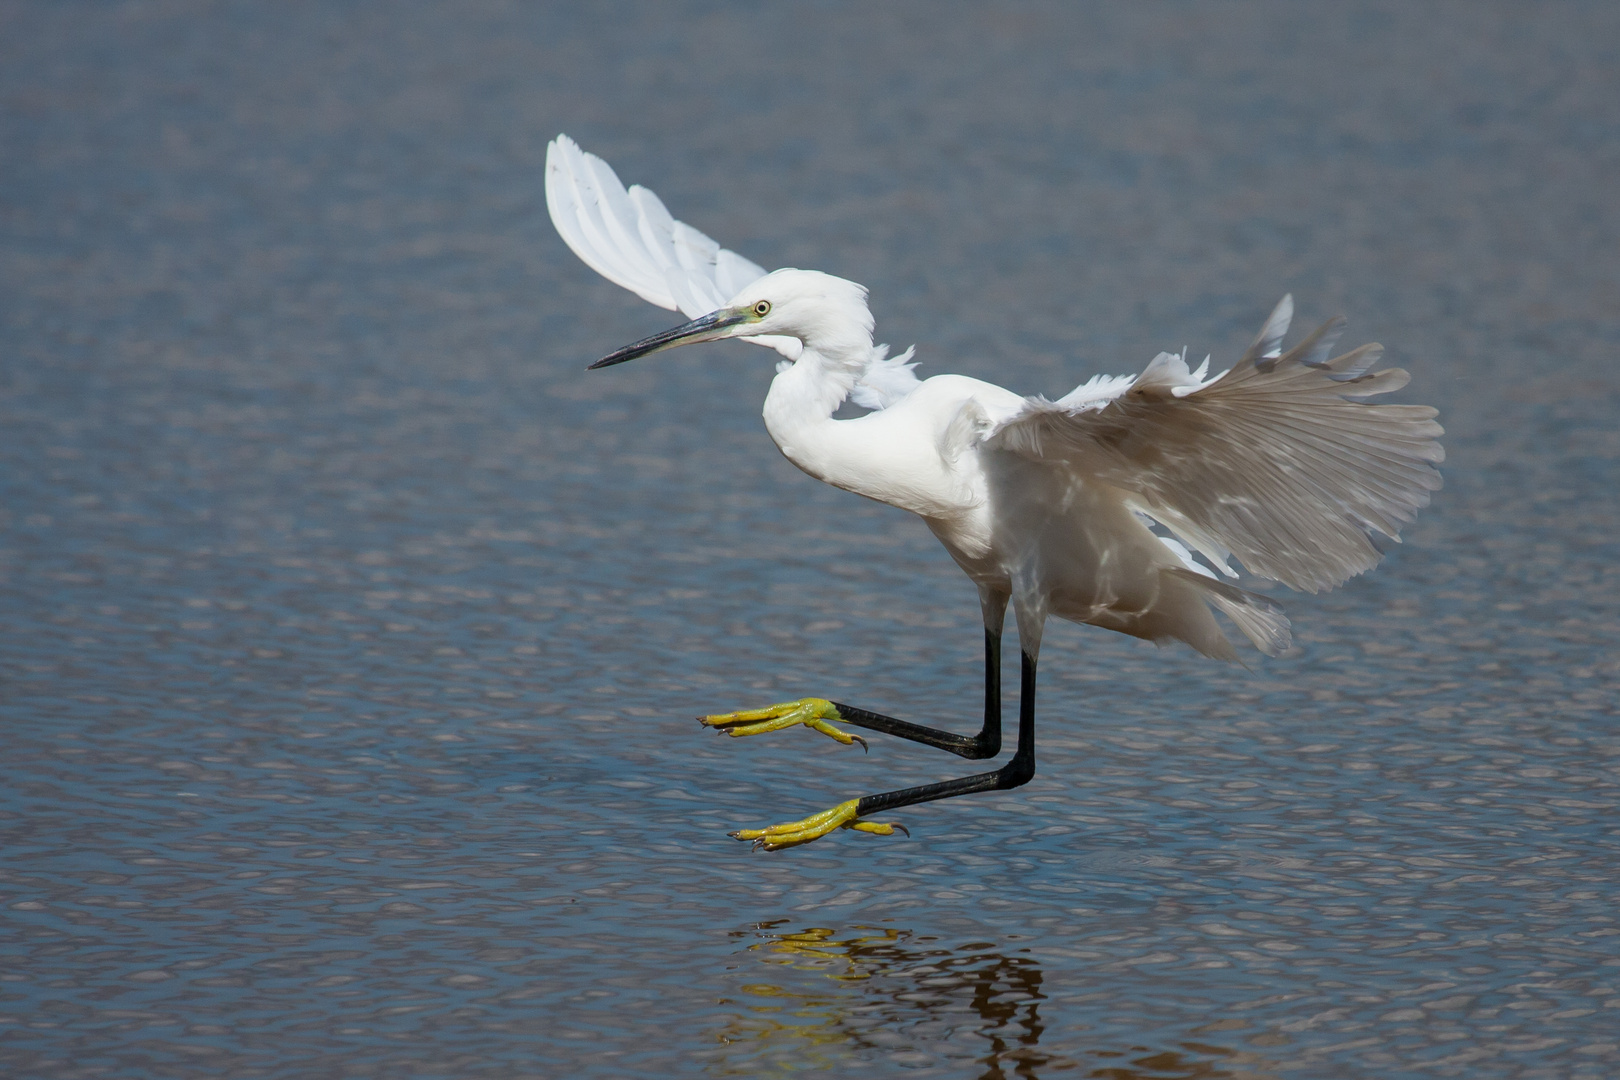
1280 461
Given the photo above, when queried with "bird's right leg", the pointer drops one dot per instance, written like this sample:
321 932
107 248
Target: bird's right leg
819 713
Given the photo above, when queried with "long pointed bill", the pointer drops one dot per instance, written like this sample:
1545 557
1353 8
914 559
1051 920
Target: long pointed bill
710 327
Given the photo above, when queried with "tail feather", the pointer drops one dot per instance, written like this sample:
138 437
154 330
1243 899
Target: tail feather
1261 620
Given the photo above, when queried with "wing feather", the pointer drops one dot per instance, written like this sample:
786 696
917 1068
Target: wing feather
732 272
1282 461
570 201
620 223
588 188
630 238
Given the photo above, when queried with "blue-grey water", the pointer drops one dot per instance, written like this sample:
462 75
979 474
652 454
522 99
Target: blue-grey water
351 633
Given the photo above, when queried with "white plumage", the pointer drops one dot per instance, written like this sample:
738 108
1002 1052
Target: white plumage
1282 462
1279 462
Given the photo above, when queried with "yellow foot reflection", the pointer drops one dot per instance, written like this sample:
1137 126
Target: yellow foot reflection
812 712
815 827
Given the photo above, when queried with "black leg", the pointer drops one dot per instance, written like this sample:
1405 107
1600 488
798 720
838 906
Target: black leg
986 744
1016 772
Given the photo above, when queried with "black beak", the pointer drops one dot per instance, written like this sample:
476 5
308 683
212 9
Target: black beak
710 327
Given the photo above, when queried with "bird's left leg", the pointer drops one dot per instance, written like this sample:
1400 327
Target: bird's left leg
819 713
850 815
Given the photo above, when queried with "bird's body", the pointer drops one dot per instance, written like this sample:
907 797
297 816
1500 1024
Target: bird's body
1063 542
1050 505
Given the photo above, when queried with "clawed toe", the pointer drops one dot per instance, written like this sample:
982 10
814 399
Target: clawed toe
813 713
814 827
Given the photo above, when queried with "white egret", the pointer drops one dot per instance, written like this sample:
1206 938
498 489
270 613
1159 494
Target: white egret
1280 462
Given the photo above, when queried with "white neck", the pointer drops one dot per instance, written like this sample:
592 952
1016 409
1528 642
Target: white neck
830 318
891 456
800 405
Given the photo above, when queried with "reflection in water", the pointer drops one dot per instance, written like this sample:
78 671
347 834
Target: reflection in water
832 999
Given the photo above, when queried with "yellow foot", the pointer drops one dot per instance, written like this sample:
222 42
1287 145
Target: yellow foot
812 712
815 827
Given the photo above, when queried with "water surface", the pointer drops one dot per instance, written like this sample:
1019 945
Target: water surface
351 633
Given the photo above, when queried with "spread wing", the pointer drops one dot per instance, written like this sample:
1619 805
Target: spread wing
1281 461
630 239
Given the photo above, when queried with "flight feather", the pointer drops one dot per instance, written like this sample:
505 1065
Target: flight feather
1283 461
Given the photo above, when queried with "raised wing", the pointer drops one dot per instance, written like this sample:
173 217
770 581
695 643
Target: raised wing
630 239
1281 461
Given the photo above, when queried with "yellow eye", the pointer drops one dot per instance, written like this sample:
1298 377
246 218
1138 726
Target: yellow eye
762 309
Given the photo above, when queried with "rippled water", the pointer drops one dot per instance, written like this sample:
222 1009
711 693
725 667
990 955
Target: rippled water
350 633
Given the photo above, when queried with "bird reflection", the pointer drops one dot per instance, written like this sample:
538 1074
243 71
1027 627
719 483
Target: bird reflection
816 1000
836 995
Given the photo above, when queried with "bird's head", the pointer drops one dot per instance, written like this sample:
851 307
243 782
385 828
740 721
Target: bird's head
820 311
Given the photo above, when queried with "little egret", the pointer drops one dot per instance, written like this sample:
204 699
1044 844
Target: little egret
1280 462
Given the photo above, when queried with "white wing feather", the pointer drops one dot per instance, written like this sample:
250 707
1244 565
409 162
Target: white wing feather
1280 461
629 238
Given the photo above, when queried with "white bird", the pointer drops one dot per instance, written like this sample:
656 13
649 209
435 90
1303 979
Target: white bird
1280 462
